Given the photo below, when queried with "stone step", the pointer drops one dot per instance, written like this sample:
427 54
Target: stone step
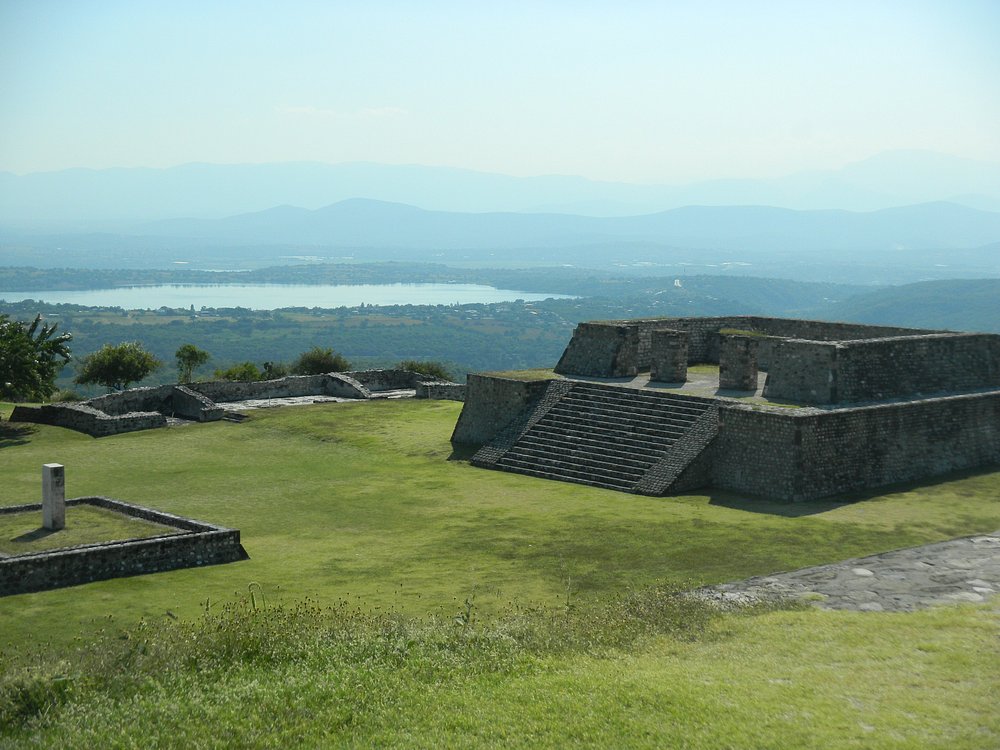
620 443
618 392
622 417
618 486
555 443
615 425
546 453
564 475
638 403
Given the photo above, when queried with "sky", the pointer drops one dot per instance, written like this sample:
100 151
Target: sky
662 91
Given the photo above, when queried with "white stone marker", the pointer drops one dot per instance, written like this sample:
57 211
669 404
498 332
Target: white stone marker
53 496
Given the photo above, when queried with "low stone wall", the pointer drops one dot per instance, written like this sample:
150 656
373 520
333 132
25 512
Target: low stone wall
388 380
805 454
195 544
491 404
441 391
84 418
188 404
330 384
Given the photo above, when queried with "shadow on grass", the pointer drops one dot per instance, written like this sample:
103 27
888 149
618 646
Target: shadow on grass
790 509
34 536
15 434
461 452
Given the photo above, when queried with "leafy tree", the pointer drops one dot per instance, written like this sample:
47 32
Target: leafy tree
117 367
434 369
31 355
244 371
189 358
317 361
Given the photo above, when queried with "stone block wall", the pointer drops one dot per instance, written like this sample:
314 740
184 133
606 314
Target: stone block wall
331 384
738 363
904 366
668 360
491 404
806 454
802 371
194 544
604 350
388 380
86 419
188 404
441 391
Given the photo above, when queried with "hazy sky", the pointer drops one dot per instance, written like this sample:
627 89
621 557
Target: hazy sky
639 91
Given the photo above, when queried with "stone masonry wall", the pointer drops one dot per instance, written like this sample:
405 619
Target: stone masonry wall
87 419
491 404
617 348
668 360
196 544
606 350
738 363
802 371
887 368
441 391
805 454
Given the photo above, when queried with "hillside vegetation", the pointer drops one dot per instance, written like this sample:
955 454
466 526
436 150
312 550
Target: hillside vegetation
395 597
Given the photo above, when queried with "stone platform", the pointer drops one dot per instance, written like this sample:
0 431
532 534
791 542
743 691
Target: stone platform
966 569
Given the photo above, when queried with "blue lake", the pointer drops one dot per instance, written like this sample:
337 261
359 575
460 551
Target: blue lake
274 296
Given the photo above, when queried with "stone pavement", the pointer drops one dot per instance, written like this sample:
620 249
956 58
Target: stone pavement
966 569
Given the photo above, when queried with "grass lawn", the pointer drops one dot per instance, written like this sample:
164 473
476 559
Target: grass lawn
358 503
85 524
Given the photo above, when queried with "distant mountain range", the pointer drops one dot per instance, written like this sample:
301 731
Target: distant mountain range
110 199
362 223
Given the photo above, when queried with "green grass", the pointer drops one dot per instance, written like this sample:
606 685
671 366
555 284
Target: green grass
358 503
536 374
359 499
681 677
85 524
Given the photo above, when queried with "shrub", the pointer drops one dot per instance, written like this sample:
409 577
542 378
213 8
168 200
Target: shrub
317 361
245 372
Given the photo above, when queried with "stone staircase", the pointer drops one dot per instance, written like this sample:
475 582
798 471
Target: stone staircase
605 436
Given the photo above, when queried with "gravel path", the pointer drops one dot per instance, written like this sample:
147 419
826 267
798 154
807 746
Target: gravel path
966 569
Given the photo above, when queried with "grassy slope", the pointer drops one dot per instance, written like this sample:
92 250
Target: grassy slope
358 501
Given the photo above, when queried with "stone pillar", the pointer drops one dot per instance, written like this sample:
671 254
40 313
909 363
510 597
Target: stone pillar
668 356
53 497
738 363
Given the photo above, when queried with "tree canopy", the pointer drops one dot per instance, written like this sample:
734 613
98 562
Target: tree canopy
117 367
31 355
189 358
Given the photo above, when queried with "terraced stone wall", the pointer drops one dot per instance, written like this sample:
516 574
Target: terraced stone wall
805 454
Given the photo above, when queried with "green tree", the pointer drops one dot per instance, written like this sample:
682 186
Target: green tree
244 371
31 355
117 367
433 369
317 361
189 358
